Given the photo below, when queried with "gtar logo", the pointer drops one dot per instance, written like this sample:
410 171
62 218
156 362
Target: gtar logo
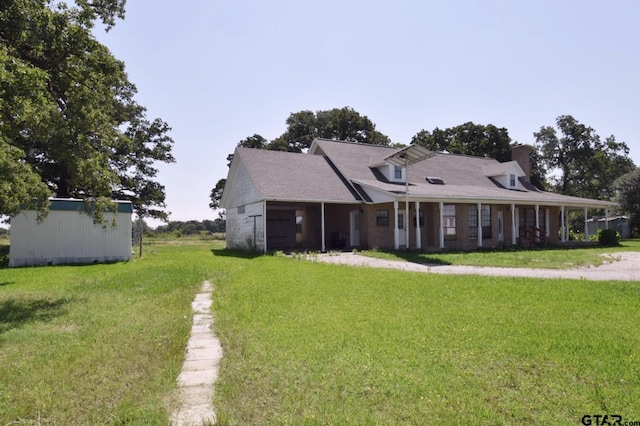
601 420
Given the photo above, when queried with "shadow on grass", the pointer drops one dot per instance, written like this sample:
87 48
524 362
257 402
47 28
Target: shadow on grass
15 313
4 256
241 254
415 256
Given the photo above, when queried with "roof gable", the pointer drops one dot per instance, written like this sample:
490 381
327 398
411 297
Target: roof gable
278 175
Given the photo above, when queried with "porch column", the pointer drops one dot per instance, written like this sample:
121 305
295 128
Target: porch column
562 224
264 226
441 235
479 206
324 248
537 223
418 236
586 226
606 218
407 239
396 237
513 224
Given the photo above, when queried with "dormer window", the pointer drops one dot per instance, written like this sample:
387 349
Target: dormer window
512 180
397 172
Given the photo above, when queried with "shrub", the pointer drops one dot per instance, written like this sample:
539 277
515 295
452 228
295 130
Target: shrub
608 237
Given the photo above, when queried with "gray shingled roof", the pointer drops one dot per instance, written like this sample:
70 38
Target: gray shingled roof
337 167
279 175
464 176
352 159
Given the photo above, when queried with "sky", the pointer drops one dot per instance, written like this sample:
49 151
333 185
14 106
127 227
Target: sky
219 71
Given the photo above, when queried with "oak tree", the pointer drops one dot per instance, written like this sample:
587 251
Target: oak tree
578 162
68 108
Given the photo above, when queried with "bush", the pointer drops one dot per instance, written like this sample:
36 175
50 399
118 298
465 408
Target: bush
608 237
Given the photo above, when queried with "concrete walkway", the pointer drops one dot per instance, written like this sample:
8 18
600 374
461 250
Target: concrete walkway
200 368
624 266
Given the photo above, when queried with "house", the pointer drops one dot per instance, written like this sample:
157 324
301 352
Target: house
68 235
342 195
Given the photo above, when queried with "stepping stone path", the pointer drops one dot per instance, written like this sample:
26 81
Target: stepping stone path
200 368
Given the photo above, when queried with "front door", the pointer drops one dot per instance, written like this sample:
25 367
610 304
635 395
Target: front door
402 232
354 231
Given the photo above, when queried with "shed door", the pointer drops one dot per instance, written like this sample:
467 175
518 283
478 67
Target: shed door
281 229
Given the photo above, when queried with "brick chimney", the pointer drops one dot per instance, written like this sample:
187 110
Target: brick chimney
522 155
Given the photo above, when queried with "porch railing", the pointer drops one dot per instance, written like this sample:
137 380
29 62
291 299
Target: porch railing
533 236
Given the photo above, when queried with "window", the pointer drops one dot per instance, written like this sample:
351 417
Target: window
512 180
421 218
449 221
486 222
473 222
397 172
299 224
382 217
434 180
240 209
527 218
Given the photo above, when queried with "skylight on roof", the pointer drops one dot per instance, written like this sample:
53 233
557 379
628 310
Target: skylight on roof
434 180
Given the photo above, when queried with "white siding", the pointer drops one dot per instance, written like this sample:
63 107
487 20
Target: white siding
241 191
240 227
68 237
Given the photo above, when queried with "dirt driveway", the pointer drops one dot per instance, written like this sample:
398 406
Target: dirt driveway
625 267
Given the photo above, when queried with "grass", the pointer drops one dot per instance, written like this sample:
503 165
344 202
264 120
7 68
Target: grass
550 258
313 343
98 344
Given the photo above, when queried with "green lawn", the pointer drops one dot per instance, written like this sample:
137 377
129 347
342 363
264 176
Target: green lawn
98 344
313 343
550 258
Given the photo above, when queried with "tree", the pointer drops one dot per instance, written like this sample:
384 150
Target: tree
68 107
468 139
216 194
627 190
20 186
579 163
338 123
256 141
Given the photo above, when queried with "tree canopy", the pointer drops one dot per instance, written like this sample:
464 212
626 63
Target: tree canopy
468 139
338 123
578 162
67 113
627 190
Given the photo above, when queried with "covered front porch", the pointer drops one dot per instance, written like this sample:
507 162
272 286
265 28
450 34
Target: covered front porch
451 224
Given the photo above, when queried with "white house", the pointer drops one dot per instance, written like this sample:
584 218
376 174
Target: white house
68 235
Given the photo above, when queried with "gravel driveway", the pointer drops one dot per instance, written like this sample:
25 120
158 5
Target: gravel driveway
625 266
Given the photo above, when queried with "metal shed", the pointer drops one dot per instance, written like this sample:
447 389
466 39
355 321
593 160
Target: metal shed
68 235
619 223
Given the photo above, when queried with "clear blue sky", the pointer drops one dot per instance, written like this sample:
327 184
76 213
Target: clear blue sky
219 71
